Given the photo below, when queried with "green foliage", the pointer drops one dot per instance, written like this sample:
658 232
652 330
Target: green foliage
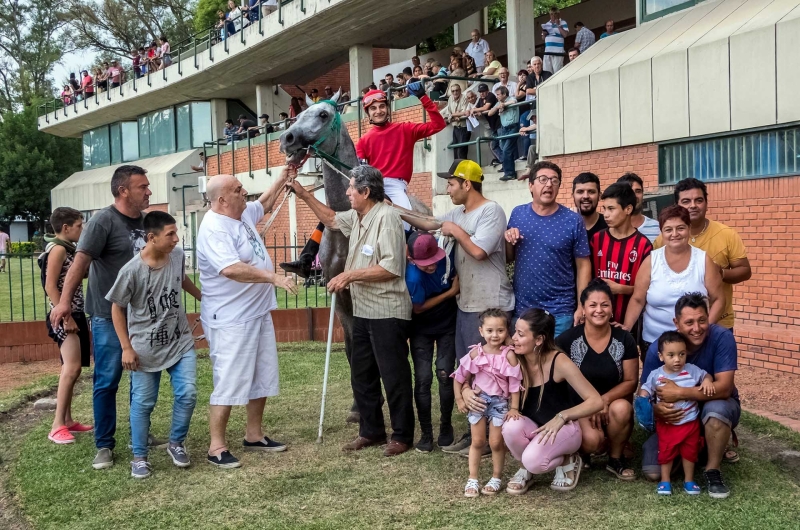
22 247
205 13
542 7
31 164
497 15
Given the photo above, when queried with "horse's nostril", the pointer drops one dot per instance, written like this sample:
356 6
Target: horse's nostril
289 137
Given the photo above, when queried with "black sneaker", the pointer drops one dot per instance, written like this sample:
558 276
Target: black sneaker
265 444
446 435
425 443
716 487
464 441
225 460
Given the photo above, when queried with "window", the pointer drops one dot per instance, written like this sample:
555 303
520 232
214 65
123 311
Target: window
116 143
766 153
653 9
144 137
130 141
184 127
162 132
201 123
96 148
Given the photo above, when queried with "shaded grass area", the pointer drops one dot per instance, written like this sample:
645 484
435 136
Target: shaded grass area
318 486
22 297
11 399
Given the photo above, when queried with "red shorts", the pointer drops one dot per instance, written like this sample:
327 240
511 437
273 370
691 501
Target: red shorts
682 439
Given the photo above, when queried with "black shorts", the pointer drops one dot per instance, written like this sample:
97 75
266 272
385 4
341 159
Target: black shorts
59 336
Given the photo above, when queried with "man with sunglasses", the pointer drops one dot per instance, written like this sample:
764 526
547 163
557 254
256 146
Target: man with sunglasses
545 238
389 148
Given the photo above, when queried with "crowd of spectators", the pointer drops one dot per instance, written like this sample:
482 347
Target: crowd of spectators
239 17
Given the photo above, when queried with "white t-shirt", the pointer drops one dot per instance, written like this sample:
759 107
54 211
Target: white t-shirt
222 242
477 50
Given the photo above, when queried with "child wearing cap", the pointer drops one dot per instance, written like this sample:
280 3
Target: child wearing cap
433 286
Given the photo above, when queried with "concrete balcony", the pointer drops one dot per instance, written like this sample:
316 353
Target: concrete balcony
308 38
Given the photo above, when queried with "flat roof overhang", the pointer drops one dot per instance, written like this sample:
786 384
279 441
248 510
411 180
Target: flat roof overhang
305 46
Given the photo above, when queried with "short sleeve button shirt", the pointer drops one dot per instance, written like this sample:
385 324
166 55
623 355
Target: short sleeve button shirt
377 239
544 276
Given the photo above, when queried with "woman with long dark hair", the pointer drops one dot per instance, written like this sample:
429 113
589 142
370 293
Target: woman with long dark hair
608 358
547 436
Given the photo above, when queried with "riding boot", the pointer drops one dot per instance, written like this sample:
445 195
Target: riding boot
302 265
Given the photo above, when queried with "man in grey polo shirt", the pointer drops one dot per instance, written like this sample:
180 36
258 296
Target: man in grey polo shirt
375 274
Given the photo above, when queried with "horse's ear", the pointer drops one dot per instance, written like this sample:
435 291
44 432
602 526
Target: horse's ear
309 101
337 95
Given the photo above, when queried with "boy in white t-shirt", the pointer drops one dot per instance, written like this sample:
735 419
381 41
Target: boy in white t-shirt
683 437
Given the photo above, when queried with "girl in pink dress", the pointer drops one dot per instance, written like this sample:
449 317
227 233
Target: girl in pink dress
493 373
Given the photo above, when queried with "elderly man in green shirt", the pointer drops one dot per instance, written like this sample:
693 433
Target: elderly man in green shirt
375 274
509 124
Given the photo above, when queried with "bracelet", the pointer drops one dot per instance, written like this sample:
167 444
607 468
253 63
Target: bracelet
514 408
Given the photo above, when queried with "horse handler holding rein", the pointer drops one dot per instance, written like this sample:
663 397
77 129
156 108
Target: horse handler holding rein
375 273
389 148
239 282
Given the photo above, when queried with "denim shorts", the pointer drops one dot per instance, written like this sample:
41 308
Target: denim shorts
496 410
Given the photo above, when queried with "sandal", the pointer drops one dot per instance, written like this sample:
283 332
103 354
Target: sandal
61 436
472 489
492 487
691 488
730 457
617 467
80 427
562 482
521 481
664 488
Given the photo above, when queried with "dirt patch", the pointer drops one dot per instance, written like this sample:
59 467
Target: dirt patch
15 375
775 392
773 450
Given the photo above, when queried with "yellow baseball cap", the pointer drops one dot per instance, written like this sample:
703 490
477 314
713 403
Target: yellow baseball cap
464 169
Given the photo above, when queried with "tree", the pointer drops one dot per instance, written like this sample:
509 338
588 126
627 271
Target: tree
205 13
119 26
31 42
31 164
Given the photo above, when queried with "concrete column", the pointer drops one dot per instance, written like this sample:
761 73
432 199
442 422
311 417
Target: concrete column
463 28
360 68
519 33
219 113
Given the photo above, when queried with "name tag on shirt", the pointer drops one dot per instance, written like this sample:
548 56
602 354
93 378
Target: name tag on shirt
367 250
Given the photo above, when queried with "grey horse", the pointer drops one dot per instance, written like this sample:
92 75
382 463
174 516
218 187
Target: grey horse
320 127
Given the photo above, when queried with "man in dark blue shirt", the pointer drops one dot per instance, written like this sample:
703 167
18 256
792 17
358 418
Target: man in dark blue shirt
712 348
433 287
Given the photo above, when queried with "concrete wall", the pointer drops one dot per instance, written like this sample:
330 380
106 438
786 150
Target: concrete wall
685 75
28 341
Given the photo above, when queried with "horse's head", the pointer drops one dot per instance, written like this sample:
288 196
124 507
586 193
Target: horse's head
318 123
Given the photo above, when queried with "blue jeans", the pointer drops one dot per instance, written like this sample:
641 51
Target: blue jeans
509 148
563 323
144 393
107 373
524 122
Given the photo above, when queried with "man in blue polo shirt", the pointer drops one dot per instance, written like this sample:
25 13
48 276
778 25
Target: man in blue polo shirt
713 349
433 287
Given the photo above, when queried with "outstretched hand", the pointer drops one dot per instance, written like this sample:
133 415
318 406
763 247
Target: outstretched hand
416 88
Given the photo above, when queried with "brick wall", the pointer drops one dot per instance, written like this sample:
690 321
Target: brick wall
338 77
28 341
766 213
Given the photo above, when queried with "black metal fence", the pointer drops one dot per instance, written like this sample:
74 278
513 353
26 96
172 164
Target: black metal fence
22 297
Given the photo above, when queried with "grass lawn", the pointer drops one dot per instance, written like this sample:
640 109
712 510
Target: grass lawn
22 297
318 486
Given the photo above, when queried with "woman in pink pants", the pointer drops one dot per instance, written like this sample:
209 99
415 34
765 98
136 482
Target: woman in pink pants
548 436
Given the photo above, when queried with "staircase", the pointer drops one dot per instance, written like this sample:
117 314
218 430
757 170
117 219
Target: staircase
507 194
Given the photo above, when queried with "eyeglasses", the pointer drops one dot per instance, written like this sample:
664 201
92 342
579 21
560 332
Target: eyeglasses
543 180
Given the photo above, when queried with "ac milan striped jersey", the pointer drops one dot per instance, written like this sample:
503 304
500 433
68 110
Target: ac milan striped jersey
619 260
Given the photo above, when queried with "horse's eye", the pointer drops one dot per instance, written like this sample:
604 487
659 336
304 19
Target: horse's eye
323 115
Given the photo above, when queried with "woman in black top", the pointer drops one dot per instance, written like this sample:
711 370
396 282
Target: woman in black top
608 358
548 434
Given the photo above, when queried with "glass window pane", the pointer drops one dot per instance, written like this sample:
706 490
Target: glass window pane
663 7
101 148
87 150
184 128
130 141
201 123
162 132
144 137
116 143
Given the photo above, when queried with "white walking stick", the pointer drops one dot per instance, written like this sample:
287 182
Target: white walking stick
327 367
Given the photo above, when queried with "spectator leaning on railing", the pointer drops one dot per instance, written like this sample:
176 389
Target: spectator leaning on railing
509 124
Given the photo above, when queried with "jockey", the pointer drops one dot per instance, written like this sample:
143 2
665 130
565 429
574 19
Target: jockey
389 147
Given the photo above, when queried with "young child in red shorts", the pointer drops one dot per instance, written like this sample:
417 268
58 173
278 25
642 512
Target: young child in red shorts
683 437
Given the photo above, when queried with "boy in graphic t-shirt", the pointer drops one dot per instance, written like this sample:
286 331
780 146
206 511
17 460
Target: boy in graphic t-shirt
155 336
618 252
683 437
